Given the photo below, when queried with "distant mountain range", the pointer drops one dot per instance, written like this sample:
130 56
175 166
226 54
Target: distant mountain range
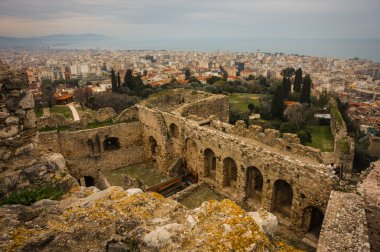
50 40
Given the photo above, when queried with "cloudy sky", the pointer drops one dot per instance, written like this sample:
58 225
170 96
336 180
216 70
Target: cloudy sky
164 19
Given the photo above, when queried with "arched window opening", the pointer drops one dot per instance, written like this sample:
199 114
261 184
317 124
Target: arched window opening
312 222
152 145
282 198
210 163
229 172
173 130
111 143
254 186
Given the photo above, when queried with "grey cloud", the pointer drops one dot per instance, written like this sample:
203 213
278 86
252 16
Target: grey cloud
292 18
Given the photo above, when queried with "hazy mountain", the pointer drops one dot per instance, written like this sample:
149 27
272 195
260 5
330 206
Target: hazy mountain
49 40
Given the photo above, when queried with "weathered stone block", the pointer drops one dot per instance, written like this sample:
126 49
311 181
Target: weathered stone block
27 102
12 120
30 121
9 131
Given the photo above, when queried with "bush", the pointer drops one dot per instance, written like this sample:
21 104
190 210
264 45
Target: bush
289 127
28 196
304 136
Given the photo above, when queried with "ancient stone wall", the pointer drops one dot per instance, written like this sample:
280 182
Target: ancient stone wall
216 105
100 149
343 144
310 181
288 143
344 227
18 135
370 190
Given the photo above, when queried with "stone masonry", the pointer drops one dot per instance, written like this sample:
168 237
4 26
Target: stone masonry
344 228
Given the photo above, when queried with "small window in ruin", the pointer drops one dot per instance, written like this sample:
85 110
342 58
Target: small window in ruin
111 143
153 145
288 148
89 181
173 129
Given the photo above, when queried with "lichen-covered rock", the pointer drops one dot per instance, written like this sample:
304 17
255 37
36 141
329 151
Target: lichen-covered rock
267 221
118 219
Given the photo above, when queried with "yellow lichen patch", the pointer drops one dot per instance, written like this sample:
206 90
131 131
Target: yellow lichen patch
20 236
74 189
57 226
156 195
282 246
225 227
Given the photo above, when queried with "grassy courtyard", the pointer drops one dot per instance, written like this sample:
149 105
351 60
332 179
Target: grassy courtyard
239 101
321 138
62 109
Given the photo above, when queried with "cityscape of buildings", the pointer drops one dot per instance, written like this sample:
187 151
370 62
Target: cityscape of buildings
352 80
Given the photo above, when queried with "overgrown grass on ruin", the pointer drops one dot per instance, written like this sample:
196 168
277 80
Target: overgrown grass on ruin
322 138
29 196
39 112
63 110
239 101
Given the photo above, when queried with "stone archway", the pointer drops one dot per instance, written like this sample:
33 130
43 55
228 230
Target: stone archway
210 164
254 186
282 198
229 172
312 222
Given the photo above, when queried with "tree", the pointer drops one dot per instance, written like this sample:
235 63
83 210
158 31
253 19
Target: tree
187 74
298 81
278 106
306 90
300 114
118 102
288 72
251 107
48 93
113 81
286 86
304 136
82 95
128 79
118 81
213 79
138 85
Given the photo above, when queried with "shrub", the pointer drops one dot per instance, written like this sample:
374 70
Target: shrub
304 136
28 196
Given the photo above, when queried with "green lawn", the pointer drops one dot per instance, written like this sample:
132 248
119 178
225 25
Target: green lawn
62 109
322 138
239 101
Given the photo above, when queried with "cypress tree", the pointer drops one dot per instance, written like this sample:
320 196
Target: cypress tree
128 79
298 80
306 90
286 86
113 81
278 106
118 81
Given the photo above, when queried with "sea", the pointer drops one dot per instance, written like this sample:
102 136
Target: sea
336 48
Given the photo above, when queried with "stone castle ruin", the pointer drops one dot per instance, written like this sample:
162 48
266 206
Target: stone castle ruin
186 132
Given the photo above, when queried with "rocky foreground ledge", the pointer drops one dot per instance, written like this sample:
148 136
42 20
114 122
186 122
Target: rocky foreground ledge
116 220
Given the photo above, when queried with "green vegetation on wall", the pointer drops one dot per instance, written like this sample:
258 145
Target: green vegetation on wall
28 196
344 145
